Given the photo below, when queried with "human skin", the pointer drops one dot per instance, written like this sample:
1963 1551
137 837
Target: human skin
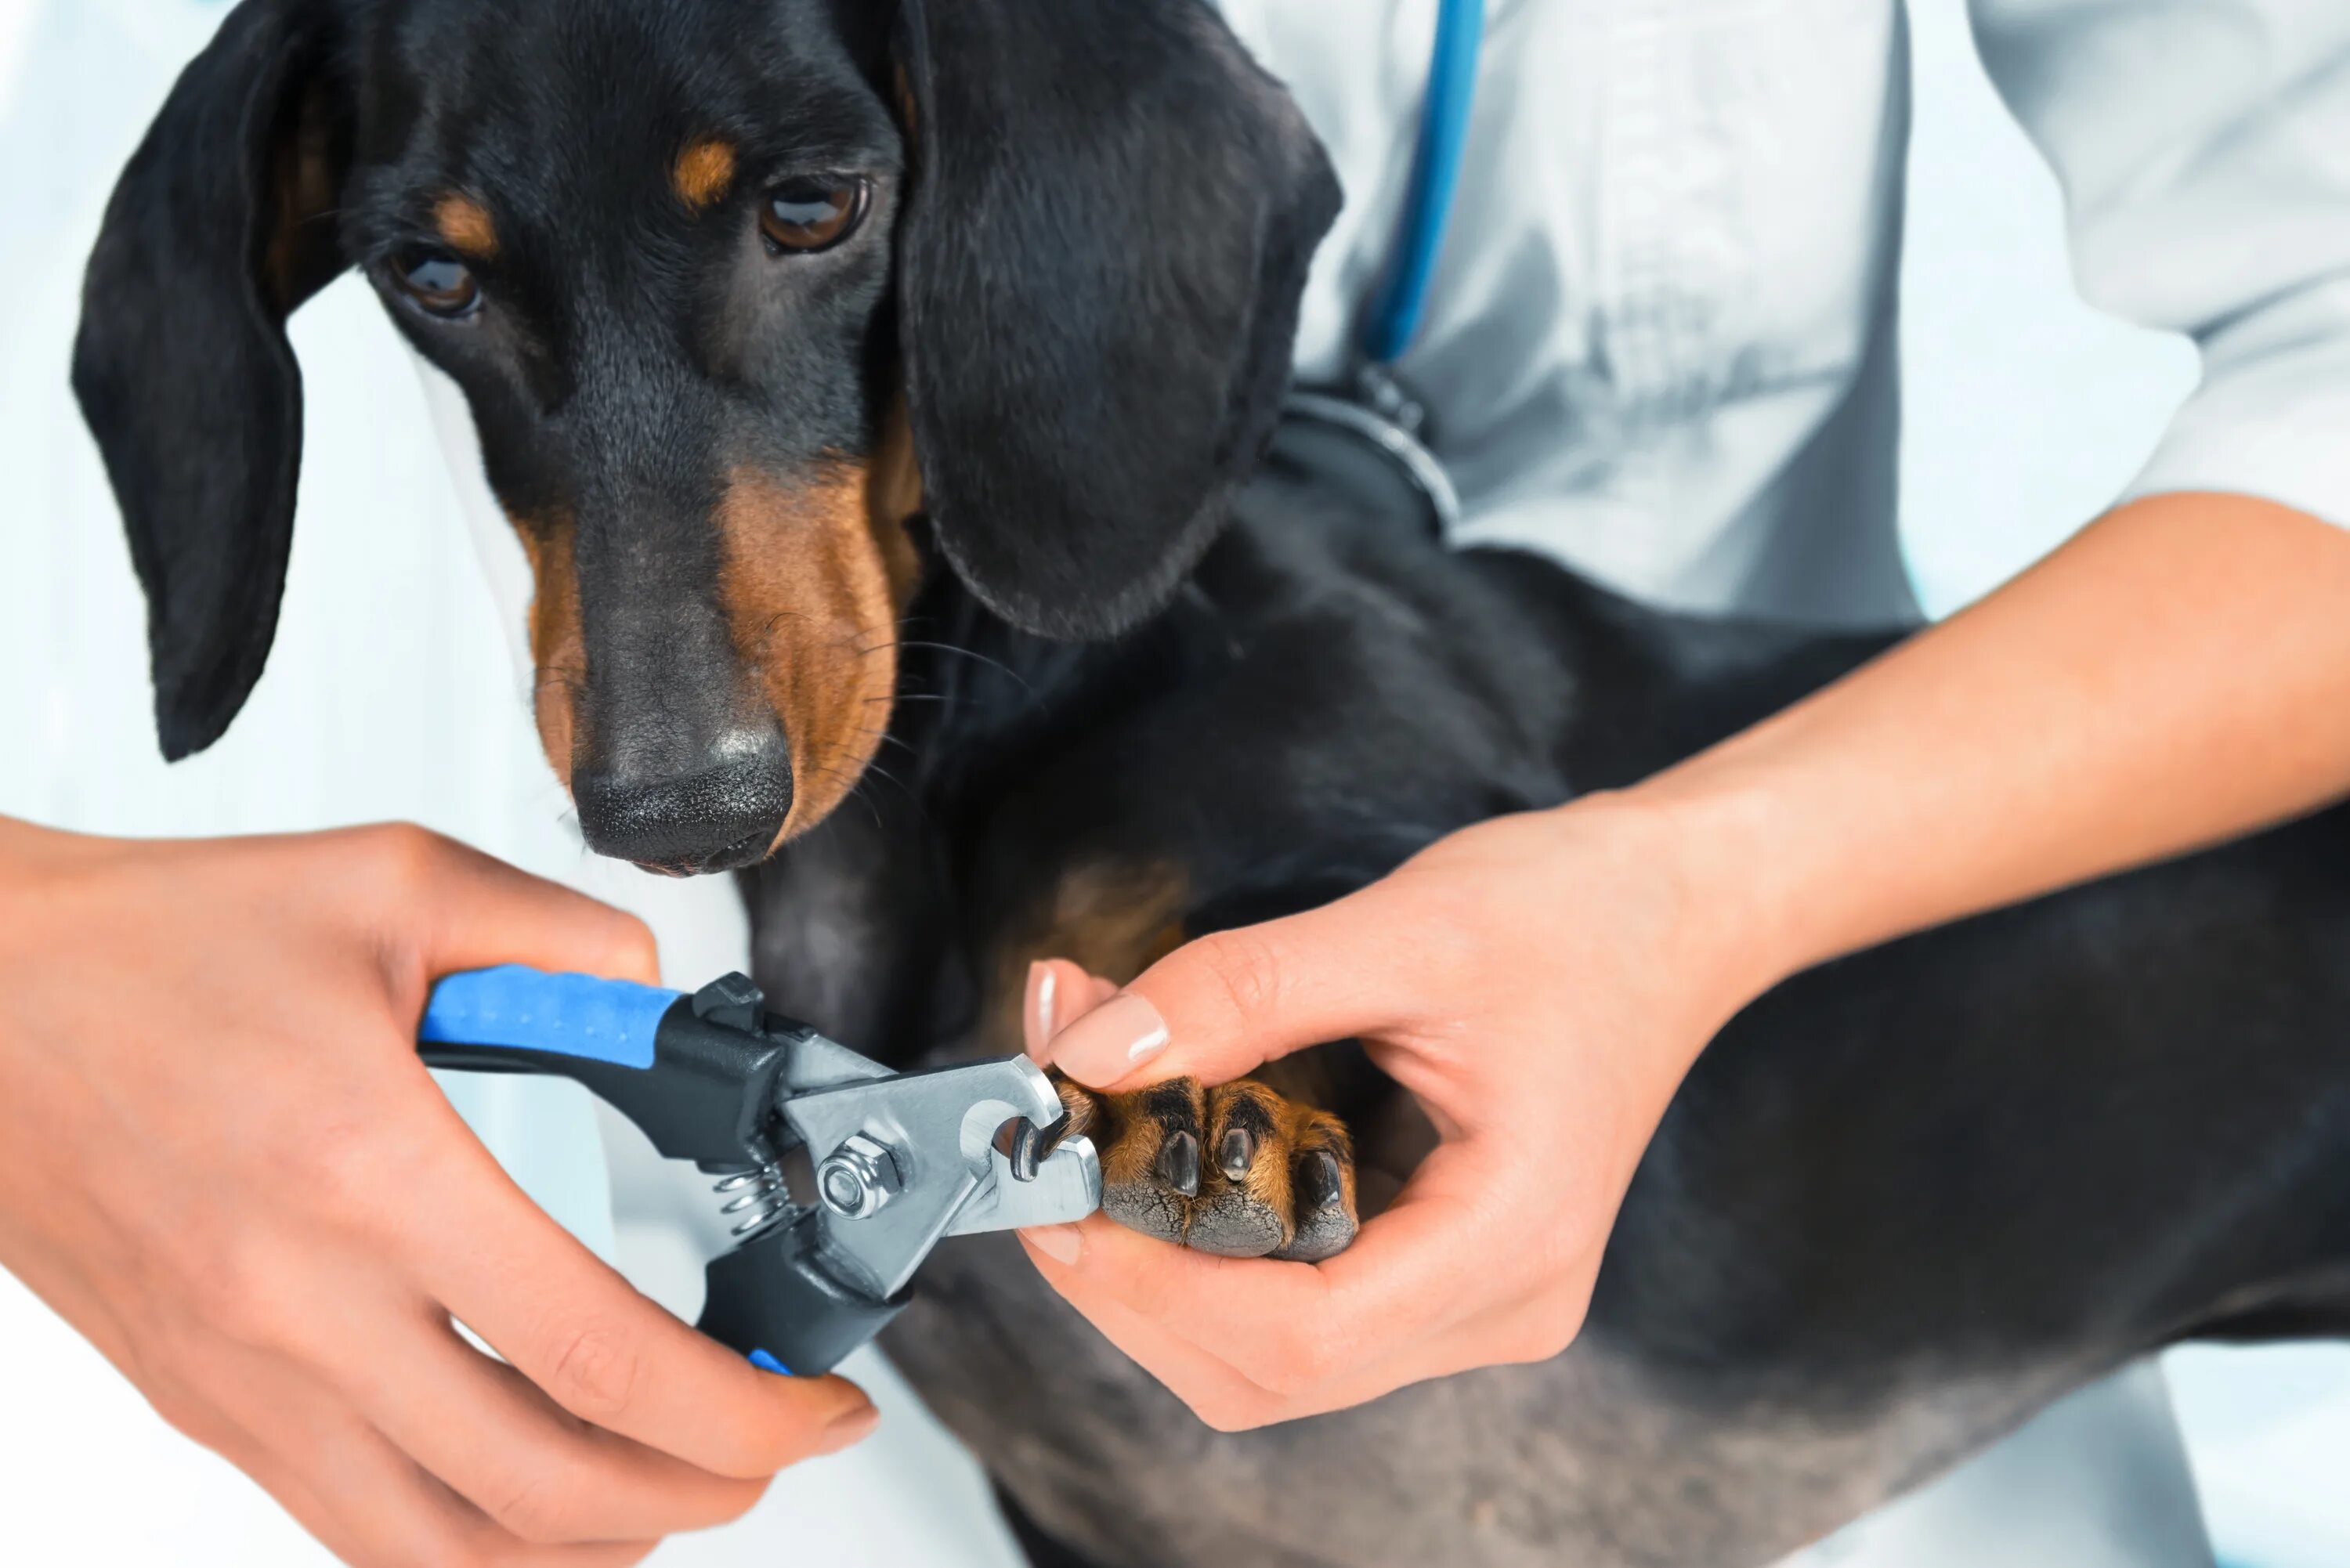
222 1160
2176 674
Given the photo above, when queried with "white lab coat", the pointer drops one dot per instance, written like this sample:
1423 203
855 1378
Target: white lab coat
1663 339
388 696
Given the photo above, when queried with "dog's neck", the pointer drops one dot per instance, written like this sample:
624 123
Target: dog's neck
981 703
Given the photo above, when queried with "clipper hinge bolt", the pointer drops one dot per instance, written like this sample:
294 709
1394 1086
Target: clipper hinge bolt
857 1178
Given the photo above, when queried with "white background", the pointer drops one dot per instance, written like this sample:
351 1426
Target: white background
390 695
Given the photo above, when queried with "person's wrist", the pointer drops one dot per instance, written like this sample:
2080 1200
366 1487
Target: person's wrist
1734 927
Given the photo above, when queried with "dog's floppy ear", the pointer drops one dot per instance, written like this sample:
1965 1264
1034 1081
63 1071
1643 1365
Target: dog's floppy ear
1111 217
221 225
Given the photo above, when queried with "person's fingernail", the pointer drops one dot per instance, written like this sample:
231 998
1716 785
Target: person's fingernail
1042 983
847 1430
1111 1041
1062 1244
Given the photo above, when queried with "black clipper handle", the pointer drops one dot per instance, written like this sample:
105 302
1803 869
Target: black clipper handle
776 1303
700 1077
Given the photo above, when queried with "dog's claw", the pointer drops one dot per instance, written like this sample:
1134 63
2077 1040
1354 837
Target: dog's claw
1027 1151
1234 1152
1318 1183
1179 1163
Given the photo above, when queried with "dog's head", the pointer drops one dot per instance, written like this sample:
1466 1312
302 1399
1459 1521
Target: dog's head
734 288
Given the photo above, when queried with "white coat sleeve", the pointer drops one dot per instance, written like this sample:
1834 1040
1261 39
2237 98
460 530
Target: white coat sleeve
2204 151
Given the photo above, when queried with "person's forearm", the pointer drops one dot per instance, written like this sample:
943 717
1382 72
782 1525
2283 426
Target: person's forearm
2176 674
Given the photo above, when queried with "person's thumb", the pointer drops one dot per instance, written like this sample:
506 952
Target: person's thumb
1218 1007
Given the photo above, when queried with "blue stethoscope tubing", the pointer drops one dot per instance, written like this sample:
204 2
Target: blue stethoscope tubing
1397 308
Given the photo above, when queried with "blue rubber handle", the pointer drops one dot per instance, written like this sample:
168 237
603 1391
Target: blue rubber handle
580 1015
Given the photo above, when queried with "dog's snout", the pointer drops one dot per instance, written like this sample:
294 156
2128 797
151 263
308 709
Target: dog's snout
720 816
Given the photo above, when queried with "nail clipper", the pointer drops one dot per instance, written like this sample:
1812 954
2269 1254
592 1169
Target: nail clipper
835 1176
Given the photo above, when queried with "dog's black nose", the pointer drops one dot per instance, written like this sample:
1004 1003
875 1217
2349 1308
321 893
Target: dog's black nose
721 817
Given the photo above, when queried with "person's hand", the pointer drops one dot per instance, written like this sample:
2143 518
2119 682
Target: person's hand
1540 983
222 1160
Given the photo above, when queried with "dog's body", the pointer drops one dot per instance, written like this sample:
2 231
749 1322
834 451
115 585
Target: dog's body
838 368
1902 1202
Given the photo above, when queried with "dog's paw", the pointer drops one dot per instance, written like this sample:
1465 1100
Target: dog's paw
1237 1170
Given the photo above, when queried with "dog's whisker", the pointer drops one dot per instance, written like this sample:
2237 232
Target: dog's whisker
856 793
973 654
876 770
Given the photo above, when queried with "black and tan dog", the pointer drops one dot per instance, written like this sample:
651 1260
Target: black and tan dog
897 372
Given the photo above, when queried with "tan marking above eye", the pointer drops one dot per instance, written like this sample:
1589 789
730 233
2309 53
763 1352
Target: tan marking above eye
466 225
704 173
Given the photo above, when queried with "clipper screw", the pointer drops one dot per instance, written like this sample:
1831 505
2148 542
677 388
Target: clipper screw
859 1177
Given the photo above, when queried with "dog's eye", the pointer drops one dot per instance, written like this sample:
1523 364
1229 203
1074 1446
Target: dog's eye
438 281
813 214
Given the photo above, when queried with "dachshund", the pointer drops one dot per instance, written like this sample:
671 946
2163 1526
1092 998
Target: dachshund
908 374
